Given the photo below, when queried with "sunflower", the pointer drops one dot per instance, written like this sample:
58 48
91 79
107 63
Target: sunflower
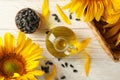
19 58
95 9
89 8
112 32
112 11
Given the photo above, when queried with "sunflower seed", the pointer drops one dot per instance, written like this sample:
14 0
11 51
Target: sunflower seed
63 77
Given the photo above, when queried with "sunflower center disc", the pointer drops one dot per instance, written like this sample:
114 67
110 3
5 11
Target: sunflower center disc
10 67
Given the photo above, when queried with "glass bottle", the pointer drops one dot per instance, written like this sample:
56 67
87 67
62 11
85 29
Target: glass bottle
61 42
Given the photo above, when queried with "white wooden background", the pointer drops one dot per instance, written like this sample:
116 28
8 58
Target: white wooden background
102 67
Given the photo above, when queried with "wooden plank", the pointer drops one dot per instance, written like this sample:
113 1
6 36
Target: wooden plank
102 67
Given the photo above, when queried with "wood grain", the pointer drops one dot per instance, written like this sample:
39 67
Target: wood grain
102 67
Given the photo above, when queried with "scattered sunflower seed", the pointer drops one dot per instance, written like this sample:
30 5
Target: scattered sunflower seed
77 19
63 65
45 69
42 68
66 64
48 63
56 17
59 59
75 71
58 20
71 66
47 32
63 77
70 16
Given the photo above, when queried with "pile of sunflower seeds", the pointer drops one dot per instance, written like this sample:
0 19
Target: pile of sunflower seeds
27 20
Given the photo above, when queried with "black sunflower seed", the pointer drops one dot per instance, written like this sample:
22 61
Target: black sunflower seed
77 19
42 68
58 20
63 65
63 77
66 64
48 63
56 17
71 66
47 32
70 16
59 59
45 69
75 71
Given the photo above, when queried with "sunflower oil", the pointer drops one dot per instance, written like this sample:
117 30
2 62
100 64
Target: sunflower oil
61 42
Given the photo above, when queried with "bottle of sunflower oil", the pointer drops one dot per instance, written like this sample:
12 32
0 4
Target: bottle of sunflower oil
61 42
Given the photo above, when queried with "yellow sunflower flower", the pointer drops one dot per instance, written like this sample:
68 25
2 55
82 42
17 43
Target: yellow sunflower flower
112 32
19 58
90 9
108 10
112 11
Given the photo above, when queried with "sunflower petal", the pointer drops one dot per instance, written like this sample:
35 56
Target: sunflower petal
27 48
37 72
95 7
23 45
100 10
33 58
32 65
118 40
67 6
108 6
38 51
21 38
53 73
92 15
1 78
45 9
30 56
89 16
23 78
73 3
112 31
31 77
87 64
83 44
63 16
81 10
112 19
20 42
1 42
108 26
114 38
75 7
27 76
33 48
1 46
110 15
9 42
16 75
116 4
